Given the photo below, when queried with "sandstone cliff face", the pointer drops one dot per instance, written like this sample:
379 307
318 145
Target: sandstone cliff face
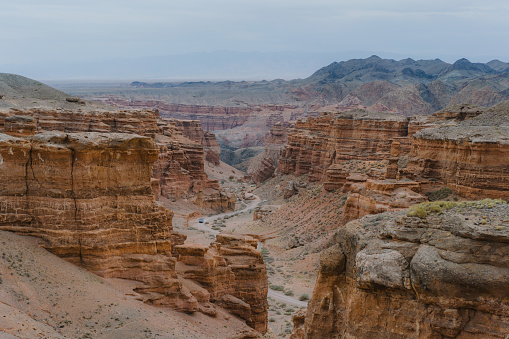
463 146
415 275
317 143
232 271
180 166
88 195
274 144
192 130
139 122
212 118
471 156
180 170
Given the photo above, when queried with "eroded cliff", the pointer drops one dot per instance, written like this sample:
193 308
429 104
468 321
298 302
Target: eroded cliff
88 195
470 156
315 144
438 270
183 146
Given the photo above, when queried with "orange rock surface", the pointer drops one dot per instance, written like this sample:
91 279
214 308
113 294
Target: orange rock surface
180 169
89 197
139 122
400 276
471 156
180 166
274 144
315 144
233 273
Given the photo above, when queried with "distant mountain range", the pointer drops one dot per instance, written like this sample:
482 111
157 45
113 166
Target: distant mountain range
406 86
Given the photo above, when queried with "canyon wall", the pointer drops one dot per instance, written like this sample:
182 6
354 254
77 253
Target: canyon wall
315 144
274 144
463 147
470 157
82 120
211 117
180 165
233 273
192 129
180 168
416 274
88 196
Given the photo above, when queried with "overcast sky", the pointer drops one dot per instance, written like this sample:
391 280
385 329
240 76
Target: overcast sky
63 30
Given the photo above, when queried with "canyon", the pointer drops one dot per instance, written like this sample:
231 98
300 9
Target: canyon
89 196
364 188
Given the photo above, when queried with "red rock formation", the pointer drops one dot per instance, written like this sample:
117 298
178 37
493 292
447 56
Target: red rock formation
211 117
139 122
181 159
18 126
400 276
192 130
336 178
181 174
313 145
471 157
89 197
270 156
233 273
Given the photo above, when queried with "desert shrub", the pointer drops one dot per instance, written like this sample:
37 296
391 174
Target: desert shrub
288 292
304 297
276 287
439 194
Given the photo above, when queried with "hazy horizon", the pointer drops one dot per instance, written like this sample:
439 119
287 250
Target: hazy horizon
263 39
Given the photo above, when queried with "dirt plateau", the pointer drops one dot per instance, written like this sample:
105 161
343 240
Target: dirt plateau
90 197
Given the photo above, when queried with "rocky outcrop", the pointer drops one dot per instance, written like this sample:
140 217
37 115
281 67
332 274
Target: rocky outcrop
180 170
89 197
232 271
138 122
470 157
336 178
262 211
180 166
212 118
436 271
315 144
19 125
192 130
274 144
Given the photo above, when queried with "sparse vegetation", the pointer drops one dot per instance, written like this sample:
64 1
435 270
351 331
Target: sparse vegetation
437 207
276 287
440 194
304 297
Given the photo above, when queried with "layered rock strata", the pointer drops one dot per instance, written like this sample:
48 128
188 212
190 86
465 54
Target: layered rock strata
471 157
89 197
315 144
274 144
138 122
180 170
192 129
180 166
464 147
232 271
417 274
